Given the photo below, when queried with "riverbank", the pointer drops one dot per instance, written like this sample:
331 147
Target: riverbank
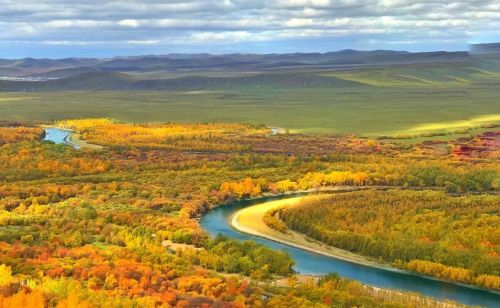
74 138
218 221
71 138
250 220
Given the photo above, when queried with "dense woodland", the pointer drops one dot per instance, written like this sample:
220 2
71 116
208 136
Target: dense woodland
83 228
453 238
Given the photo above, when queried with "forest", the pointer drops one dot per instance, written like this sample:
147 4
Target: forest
433 233
86 228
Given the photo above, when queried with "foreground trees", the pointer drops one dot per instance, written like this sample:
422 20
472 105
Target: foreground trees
85 228
18 134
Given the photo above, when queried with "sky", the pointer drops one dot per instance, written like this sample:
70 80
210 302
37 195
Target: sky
99 28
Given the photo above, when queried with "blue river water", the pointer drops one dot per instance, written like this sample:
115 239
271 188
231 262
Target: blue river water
216 222
58 136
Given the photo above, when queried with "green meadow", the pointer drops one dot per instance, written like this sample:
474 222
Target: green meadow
399 101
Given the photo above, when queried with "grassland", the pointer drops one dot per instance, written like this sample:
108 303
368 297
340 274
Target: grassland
387 101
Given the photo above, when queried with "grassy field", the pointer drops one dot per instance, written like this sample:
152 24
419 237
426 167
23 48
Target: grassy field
388 101
373 111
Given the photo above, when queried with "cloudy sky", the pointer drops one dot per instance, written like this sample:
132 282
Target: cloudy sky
100 28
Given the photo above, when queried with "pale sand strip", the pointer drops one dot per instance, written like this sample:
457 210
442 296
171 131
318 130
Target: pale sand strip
249 220
74 138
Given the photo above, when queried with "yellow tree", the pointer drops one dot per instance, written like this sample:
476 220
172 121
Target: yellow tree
6 277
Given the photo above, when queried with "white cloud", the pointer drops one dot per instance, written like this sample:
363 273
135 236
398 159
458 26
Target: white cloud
67 43
234 36
68 23
131 23
152 22
144 42
299 22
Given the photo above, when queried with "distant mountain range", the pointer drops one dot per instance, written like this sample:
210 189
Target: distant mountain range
491 48
69 66
195 71
111 81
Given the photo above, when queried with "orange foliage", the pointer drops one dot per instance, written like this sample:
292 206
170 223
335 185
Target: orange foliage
489 281
29 161
96 220
73 302
441 271
182 137
19 134
33 299
317 179
245 188
249 187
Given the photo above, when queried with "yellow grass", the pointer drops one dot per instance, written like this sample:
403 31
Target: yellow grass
9 99
451 126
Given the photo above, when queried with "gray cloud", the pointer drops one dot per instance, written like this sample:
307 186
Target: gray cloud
194 22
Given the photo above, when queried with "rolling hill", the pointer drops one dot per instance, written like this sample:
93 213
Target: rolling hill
339 69
29 66
111 81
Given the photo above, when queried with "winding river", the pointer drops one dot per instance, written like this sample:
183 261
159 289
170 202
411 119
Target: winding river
216 222
59 136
